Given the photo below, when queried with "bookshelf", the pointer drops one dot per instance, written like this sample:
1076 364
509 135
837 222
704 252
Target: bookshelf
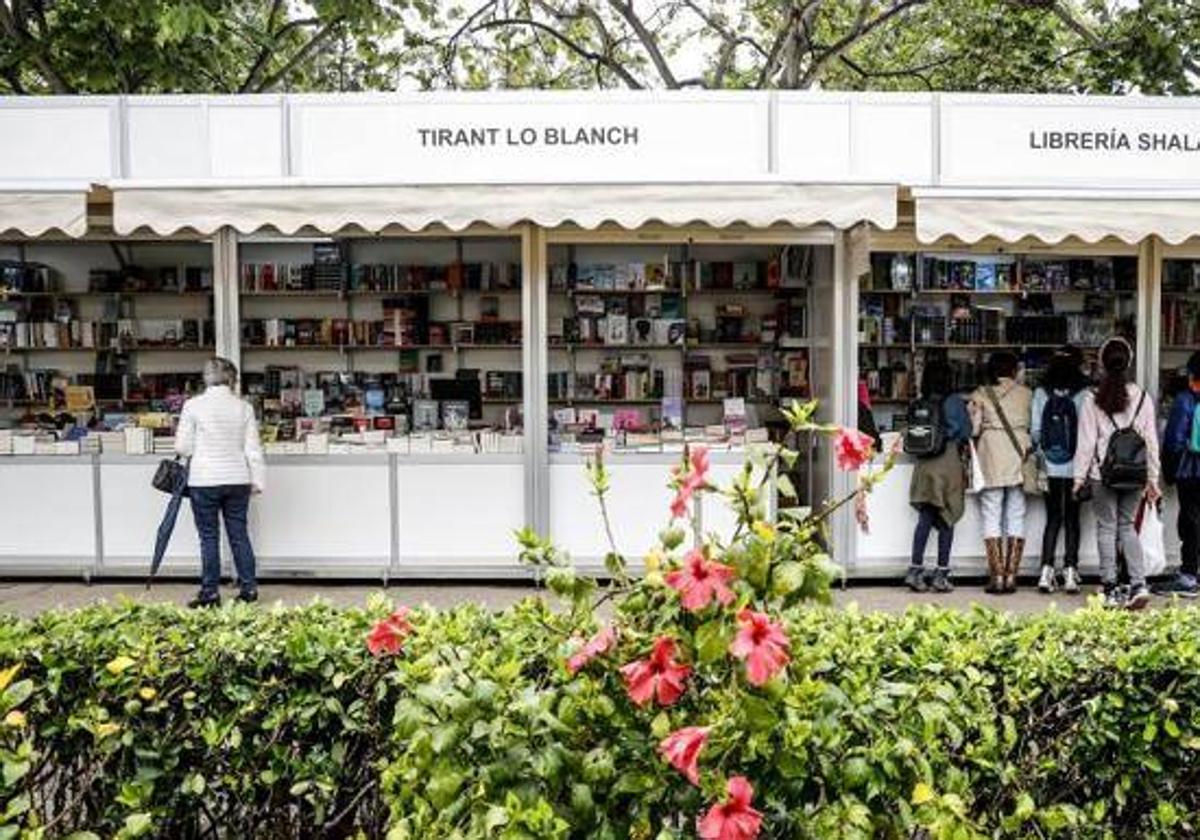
1180 324
916 306
652 346
124 325
384 335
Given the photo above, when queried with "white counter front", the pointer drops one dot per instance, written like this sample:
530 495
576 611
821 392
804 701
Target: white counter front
47 515
353 516
638 501
885 551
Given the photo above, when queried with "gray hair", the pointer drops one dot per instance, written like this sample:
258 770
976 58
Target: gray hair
219 371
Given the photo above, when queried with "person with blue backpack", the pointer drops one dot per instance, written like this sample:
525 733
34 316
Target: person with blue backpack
1054 430
1181 466
936 429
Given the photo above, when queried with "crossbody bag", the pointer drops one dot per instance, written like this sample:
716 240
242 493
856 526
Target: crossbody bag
1031 473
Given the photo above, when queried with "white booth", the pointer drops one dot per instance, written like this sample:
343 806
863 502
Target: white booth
443 304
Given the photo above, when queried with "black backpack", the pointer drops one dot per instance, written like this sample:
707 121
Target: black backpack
1125 466
1060 428
925 428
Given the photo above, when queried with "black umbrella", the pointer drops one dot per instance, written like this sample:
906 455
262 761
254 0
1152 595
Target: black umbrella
167 526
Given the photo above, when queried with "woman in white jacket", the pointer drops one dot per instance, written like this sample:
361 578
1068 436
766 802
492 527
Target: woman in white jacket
218 432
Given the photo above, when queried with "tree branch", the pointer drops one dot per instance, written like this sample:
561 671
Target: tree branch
649 42
570 44
264 54
301 55
861 30
16 30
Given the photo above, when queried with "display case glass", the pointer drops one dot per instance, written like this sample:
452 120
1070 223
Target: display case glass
407 345
114 333
1180 324
915 307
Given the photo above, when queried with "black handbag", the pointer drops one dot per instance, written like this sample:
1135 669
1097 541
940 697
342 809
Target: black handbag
171 474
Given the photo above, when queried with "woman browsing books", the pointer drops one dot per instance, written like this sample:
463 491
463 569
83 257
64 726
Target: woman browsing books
218 432
1000 415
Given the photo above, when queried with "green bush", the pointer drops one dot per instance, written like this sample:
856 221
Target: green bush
137 721
707 697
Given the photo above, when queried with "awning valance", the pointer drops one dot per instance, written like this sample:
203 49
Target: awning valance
1054 216
329 209
35 212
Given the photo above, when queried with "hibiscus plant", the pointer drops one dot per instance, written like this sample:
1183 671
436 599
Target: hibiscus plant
671 676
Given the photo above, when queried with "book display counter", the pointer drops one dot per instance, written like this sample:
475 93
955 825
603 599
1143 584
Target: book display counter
436 336
655 347
959 307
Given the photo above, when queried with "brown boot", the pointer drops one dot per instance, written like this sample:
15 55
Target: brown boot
1012 565
993 547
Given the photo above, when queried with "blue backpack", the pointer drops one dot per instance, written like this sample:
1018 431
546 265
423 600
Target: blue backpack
1194 437
1060 428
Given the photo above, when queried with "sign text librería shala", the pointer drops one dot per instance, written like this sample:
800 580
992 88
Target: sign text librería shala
491 136
1115 141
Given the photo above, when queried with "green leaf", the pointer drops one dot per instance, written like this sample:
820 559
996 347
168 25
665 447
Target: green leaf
444 786
786 578
712 640
785 487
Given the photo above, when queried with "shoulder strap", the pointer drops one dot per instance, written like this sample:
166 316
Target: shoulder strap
1138 410
1012 436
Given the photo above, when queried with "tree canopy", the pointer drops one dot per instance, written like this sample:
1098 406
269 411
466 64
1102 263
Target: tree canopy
240 46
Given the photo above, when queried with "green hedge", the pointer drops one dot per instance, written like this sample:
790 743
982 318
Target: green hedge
151 721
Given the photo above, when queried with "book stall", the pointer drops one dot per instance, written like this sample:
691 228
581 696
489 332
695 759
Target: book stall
437 336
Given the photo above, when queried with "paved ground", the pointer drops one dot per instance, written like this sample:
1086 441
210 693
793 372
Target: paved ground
28 598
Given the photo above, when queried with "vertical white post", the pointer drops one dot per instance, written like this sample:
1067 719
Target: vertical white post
534 365
226 302
851 253
1149 317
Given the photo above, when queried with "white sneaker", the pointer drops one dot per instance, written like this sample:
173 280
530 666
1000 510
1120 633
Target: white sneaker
1046 582
1071 580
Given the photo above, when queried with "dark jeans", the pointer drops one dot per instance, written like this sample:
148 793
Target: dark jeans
232 503
928 518
1062 514
1189 526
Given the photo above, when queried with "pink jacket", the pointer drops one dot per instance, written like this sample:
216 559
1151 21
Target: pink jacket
1095 429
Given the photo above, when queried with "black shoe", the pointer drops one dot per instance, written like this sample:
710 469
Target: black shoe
1182 585
1139 597
942 582
203 601
248 596
915 579
1115 597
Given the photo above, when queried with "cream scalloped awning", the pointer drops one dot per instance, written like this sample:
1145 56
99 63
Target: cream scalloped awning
1052 216
329 209
34 212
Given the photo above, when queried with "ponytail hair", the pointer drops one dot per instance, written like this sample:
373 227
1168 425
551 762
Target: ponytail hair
1116 356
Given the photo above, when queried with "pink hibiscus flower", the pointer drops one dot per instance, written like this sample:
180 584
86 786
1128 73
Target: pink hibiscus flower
682 748
700 581
659 678
689 480
763 644
852 449
593 647
388 635
732 819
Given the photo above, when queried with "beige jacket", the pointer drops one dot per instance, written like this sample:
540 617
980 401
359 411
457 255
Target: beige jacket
998 458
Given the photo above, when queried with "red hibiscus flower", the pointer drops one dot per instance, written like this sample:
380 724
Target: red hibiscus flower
682 748
660 677
852 449
689 480
732 819
700 581
593 647
762 643
388 635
